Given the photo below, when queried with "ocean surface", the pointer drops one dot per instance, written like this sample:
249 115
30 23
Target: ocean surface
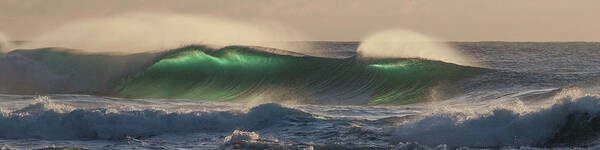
518 96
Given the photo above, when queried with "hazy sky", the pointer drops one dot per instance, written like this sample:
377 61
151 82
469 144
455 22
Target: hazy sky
340 20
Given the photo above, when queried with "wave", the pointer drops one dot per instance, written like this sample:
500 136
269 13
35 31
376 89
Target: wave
62 70
237 73
48 120
569 122
234 73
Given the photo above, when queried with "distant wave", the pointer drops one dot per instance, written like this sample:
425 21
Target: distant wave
62 70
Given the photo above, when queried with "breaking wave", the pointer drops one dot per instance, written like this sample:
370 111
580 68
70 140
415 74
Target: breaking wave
569 122
48 120
234 73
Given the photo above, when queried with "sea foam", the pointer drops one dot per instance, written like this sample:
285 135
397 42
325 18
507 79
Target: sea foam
500 127
45 119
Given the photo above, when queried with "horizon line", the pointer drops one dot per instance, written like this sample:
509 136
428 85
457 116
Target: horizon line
17 41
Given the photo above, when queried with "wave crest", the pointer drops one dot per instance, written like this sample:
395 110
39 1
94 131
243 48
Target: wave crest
408 44
46 120
503 127
240 73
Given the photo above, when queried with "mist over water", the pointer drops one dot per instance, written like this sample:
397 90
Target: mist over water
400 43
140 32
4 43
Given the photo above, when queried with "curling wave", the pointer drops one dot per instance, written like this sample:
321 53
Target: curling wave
237 73
234 73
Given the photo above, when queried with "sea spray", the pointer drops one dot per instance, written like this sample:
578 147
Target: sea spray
48 119
142 32
408 44
501 126
4 43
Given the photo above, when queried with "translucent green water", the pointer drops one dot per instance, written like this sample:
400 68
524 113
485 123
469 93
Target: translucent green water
239 73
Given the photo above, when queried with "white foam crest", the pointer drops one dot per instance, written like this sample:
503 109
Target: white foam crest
45 119
499 127
398 43
241 136
140 32
43 104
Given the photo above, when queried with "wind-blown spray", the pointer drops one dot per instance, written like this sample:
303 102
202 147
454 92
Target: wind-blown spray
139 32
4 44
408 44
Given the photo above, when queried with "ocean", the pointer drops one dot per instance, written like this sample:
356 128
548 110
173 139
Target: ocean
519 95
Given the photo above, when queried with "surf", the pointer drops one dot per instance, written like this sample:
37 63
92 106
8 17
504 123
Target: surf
236 73
233 73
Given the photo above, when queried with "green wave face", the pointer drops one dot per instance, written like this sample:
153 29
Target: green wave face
240 73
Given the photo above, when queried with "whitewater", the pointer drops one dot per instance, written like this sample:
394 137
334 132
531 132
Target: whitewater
519 96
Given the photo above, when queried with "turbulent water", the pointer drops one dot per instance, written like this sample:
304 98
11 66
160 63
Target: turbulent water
523 95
